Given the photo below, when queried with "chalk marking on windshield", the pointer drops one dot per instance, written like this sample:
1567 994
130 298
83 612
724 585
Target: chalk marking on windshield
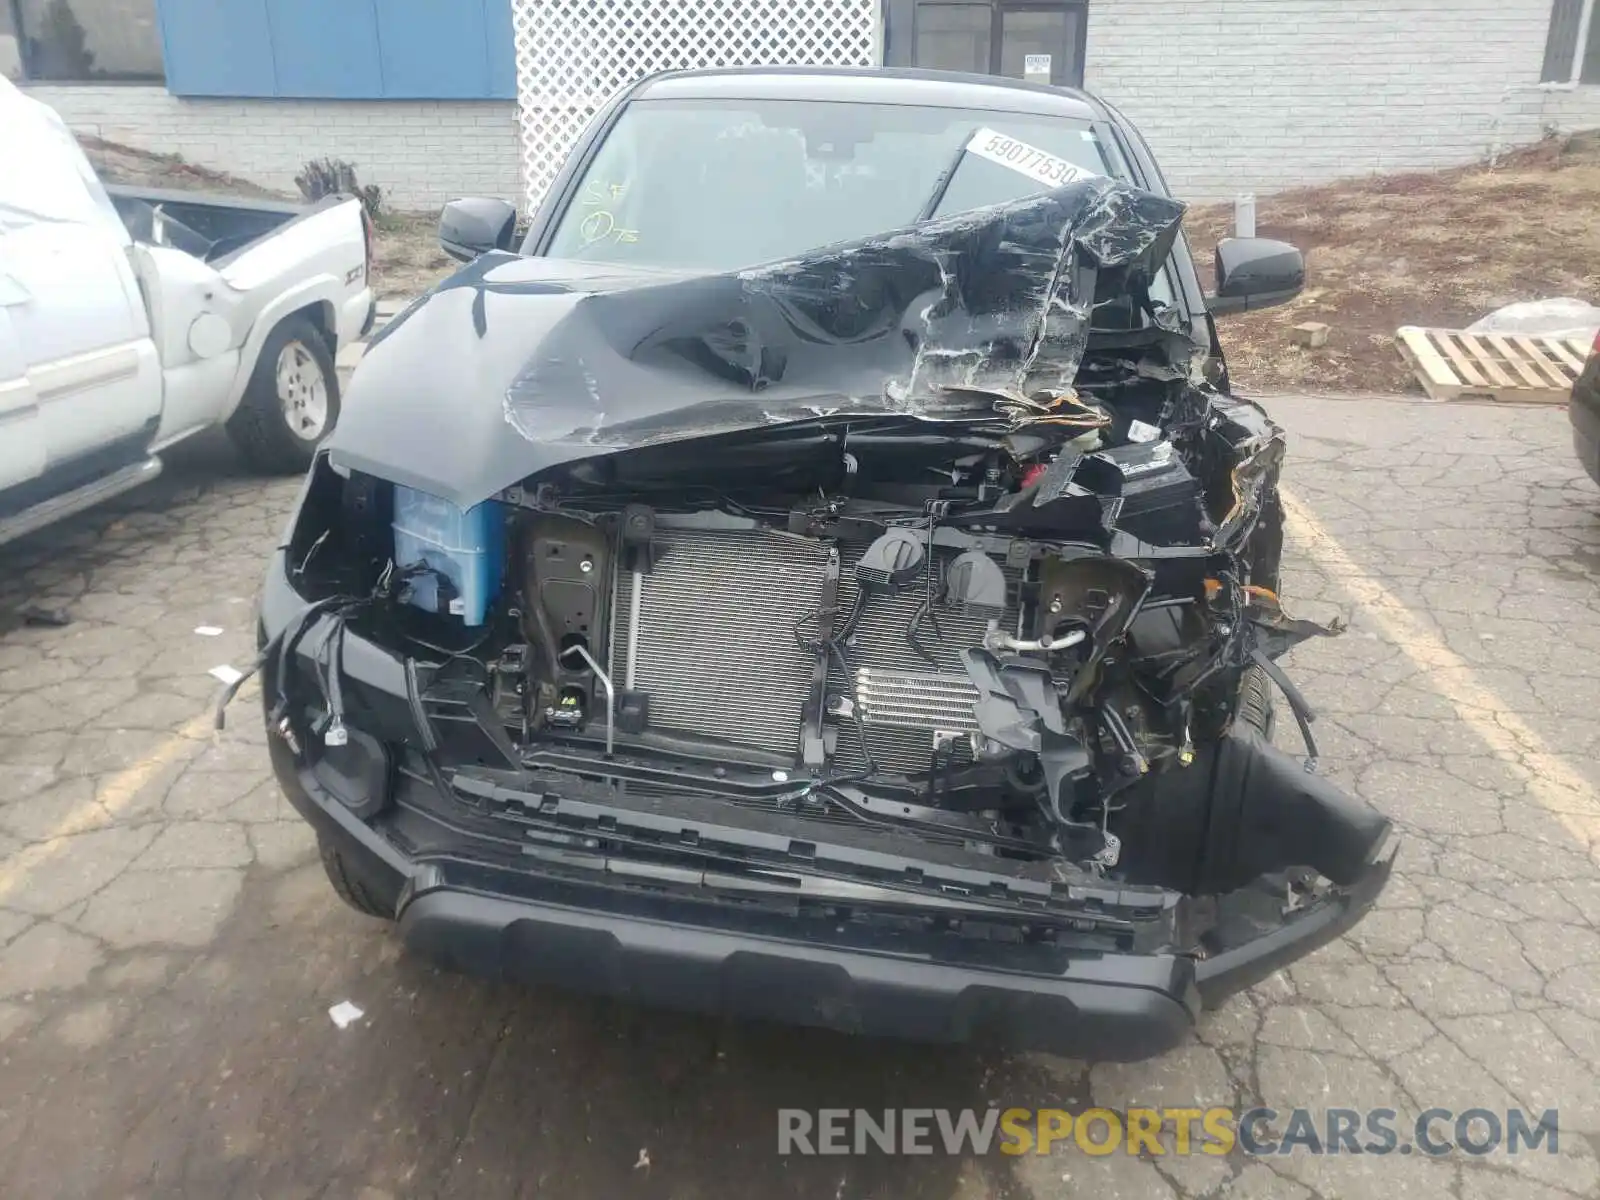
1038 165
600 224
595 226
597 194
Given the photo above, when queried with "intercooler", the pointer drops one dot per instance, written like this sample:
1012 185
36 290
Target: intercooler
716 650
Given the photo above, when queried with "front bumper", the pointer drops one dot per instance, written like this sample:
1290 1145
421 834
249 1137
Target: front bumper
520 926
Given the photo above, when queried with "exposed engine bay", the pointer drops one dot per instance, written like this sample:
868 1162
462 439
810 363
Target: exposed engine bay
904 611
933 562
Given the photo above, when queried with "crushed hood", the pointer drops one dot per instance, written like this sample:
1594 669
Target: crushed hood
514 365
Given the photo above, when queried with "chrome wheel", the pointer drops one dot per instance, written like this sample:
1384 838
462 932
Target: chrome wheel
302 391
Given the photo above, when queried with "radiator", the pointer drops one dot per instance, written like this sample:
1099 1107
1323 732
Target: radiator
717 654
716 649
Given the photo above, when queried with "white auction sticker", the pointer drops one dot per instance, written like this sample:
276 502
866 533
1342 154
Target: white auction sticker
1025 159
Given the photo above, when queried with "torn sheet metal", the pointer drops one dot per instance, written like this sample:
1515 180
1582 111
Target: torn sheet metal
1278 632
515 365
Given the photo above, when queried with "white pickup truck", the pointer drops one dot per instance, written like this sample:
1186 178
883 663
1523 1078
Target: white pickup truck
131 319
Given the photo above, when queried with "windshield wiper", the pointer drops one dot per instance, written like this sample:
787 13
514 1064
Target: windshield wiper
942 184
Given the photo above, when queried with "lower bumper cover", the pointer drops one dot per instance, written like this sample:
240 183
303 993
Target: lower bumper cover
1106 1007
707 970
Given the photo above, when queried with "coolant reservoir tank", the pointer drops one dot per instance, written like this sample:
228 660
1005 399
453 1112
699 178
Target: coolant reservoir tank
451 559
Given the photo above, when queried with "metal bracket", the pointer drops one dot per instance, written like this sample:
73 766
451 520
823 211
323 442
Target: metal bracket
813 747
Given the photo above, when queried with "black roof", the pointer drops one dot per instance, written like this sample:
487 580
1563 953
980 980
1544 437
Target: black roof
874 85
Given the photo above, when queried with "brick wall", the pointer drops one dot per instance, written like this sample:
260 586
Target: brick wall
1258 95
420 152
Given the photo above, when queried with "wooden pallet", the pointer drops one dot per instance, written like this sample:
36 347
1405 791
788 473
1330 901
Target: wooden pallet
1514 367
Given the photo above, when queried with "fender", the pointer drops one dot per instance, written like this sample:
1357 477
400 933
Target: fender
305 265
322 292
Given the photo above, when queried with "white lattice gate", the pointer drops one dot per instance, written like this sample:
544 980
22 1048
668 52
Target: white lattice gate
573 54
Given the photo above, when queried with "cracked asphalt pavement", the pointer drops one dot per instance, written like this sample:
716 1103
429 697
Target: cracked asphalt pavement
169 947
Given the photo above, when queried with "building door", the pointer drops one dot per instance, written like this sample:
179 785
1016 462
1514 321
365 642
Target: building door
1035 40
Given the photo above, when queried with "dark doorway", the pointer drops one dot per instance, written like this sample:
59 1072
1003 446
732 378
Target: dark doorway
1024 39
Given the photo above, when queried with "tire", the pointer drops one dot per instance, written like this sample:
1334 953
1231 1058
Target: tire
352 889
1255 701
291 402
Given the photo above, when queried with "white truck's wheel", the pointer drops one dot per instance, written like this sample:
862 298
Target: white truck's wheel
291 402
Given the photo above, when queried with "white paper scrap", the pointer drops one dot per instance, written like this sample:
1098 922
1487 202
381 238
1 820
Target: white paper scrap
1139 431
208 630
226 674
345 1014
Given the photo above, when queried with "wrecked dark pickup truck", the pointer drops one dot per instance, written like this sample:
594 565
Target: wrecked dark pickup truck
823 577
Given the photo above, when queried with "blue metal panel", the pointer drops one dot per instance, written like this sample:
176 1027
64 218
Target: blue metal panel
340 49
326 48
501 48
434 48
217 47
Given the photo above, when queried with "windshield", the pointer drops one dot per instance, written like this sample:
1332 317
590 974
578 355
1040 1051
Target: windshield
722 184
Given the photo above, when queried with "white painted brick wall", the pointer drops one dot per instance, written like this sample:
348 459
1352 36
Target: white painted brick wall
420 152
1259 95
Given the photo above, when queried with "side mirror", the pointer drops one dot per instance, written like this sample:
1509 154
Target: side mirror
476 225
1256 273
